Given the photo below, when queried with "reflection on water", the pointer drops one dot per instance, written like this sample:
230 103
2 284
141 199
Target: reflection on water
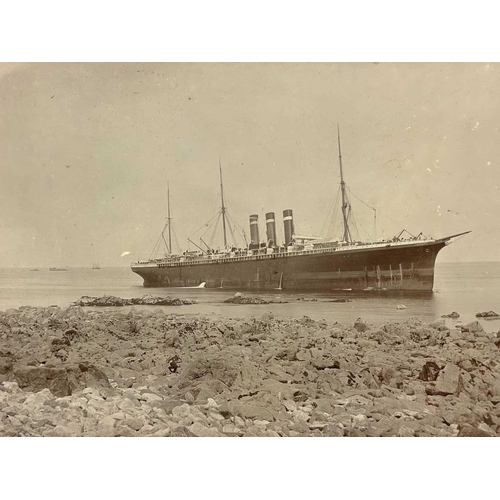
467 288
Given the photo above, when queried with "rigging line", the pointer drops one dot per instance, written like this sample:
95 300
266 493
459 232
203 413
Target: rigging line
154 248
231 230
369 237
360 200
339 229
330 212
355 224
166 244
229 217
210 242
158 241
213 225
215 204
234 222
331 229
233 243
174 234
370 207
332 215
205 225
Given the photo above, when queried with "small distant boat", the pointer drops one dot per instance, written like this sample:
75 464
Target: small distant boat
96 266
58 268
34 269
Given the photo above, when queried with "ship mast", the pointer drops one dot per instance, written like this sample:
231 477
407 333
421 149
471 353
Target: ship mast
223 208
347 233
169 219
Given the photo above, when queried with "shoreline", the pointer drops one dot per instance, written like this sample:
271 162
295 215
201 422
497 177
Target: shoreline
87 372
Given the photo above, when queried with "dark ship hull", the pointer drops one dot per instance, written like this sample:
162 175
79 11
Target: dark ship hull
381 266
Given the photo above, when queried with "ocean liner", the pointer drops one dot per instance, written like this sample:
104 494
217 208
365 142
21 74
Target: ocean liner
300 262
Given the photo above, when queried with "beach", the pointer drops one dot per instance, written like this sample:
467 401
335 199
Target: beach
126 371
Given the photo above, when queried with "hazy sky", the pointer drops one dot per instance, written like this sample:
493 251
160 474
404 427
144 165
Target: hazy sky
86 151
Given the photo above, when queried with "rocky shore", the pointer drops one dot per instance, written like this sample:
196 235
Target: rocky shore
130 372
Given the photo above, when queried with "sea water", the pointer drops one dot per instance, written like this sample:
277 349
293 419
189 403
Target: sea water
467 288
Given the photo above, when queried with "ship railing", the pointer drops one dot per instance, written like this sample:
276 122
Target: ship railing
277 255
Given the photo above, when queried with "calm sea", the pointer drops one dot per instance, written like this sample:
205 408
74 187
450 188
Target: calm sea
467 288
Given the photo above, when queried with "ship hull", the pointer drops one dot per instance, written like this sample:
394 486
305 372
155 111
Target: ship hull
392 268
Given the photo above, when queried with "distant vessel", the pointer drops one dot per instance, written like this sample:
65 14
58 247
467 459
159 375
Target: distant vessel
34 269
96 266
300 262
58 268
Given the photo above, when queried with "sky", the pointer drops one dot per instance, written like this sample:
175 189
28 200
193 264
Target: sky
87 150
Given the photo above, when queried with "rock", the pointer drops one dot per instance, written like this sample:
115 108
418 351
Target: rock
429 372
239 298
360 325
449 380
151 397
268 316
437 324
251 410
231 430
181 431
212 404
451 315
467 430
134 423
488 315
63 431
201 430
106 427
6 365
217 366
172 338
473 327
109 300
61 381
325 362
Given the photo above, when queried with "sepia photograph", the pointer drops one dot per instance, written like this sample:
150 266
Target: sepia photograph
231 249
249 248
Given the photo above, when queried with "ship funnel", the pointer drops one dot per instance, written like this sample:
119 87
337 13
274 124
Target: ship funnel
254 229
270 229
288 223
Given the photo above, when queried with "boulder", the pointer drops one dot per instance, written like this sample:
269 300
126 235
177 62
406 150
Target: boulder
251 410
276 388
172 338
6 366
437 324
453 314
239 298
488 315
361 325
62 380
449 380
473 327
467 430
217 366
429 372
200 430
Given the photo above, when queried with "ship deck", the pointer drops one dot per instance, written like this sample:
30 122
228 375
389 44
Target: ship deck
224 258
